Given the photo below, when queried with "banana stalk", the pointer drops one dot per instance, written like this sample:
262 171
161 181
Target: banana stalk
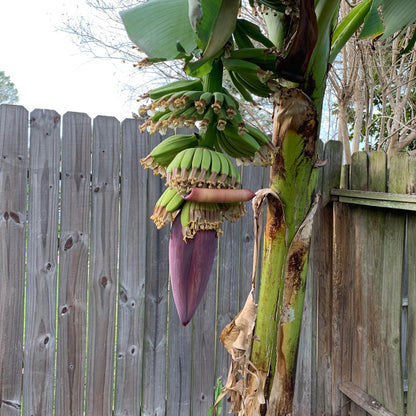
287 235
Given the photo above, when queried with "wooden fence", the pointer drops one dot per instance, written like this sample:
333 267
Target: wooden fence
84 277
85 303
359 346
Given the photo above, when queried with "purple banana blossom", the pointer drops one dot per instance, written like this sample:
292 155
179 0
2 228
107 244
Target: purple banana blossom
190 264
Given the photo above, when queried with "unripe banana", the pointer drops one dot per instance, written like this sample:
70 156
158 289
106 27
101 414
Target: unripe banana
165 151
204 100
176 86
205 165
207 120
196 164
175 202
240 87
251 30
215 169
174 167
247 143
218 100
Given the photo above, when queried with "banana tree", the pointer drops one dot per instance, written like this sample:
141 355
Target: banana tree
288 65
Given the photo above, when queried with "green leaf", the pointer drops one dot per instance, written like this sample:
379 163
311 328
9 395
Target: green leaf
348 26
222 27
398 14
373 26
158 26
198 69
202 15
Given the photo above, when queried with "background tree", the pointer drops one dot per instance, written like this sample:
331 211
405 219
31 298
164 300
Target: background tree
374 84
8 92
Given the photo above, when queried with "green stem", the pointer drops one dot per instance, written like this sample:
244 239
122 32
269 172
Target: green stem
211 82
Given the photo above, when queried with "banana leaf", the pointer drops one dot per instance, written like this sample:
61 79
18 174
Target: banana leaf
397 15
373 26
160 28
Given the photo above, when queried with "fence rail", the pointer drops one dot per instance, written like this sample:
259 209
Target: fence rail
85 303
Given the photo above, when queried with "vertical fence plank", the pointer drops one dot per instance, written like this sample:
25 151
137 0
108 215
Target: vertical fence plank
203 348
13 201
377 172
411 329
157 277
42 263
103 270
73 263
133 224
180 362
373 251
341 299
359 171
359 224
227 304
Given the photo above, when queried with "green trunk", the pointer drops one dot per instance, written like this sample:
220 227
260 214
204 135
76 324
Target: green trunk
283 272
287 234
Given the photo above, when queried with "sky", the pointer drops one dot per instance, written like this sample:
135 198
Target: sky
48 69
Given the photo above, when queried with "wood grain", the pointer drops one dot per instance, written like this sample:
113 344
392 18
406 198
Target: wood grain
42 263
13 202
73 263
103 266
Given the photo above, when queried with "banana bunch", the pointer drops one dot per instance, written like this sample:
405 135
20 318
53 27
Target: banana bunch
247 76
204 168
197 216
165 152
167 207
190 108
246 32
201 167
250 147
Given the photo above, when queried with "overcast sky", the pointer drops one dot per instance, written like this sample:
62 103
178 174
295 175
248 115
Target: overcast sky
47 68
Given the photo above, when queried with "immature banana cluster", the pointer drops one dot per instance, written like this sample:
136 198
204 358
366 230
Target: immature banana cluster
188 168
173 109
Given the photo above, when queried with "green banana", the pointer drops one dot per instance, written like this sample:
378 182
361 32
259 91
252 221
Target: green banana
240 66
175 202
165 152
231 105
234 175
168 203
207 120
204 100
188 97
215 169
186 161
251 30
222 119
205 165
265 58
245 143
185 213
248 74
176 86
240 87
240 38
175 163
228 148
218 100
196 164
253 84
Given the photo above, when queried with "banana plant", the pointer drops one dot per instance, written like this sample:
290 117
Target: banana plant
289 65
